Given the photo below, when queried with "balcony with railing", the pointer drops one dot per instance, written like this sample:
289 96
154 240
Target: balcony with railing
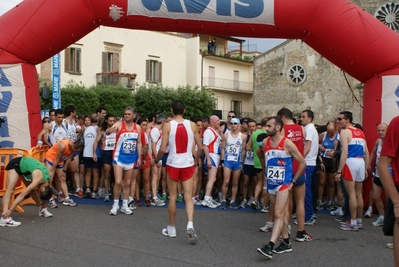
114 78
227 85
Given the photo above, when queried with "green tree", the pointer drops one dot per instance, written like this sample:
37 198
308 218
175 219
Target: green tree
114 98
84 100
150 98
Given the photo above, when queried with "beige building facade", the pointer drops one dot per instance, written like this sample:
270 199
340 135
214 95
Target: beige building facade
131 57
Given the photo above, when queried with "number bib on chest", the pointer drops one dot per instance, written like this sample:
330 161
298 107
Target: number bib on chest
109 143
72 134
275 175
250 156
129 146
232 152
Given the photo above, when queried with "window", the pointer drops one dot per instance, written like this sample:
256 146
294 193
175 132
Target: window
110 62
296 75
154 71
236 107
388 13
73 60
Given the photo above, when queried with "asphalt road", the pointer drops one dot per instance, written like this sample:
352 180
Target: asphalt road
87 235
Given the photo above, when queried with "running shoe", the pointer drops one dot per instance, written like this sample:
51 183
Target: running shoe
114 210
267 228
69 202
52 203
249 202
209 204
303 236
216 202
341 219
169 231
179 198
197 201
255 205
223 205
378 222
390 245
311 221
88 192
349 227
163 197
60 197
106 197
243 203
101 194
283 247
192 237
265 209
43 212
126 210
147 203
234 205
368 213
337 212
266 251
157 202
9 222
79 193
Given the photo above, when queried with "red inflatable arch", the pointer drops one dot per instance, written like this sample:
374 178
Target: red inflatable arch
339 30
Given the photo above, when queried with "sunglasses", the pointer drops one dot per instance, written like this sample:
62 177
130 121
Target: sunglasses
47 121
230 116
340 119
234 123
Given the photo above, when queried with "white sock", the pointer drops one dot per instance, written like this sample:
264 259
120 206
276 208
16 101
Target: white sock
207 198
190 225
116 202
124 202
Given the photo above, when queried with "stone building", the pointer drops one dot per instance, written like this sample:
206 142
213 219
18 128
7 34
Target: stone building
295 76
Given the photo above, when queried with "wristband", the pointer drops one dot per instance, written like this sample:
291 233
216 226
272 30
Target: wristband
156 161
40 142
221 161
339 172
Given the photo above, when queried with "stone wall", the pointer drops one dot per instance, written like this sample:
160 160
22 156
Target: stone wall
325 89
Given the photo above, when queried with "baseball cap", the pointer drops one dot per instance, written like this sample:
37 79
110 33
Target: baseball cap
235 120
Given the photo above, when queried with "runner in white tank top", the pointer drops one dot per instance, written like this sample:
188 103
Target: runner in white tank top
180 134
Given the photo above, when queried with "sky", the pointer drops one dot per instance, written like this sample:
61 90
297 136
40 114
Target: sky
251 44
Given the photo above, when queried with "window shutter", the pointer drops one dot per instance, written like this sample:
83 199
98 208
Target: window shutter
115 62
159 72
104 62
78 60
147 70
67 65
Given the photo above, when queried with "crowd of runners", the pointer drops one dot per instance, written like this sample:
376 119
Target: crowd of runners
282 165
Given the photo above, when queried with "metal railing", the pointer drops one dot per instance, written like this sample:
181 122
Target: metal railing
227 84
108 79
